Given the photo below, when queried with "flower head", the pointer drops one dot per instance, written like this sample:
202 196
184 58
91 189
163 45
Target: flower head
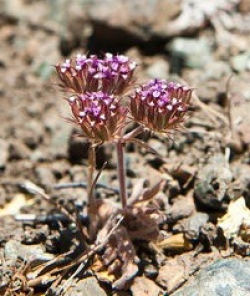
160 105
112 74
99 114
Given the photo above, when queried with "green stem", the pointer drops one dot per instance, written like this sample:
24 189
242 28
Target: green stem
121 173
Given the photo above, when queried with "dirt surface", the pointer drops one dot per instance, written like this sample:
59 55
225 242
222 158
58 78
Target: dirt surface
205 168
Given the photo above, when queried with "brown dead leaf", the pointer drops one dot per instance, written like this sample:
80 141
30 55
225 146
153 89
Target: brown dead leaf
176 242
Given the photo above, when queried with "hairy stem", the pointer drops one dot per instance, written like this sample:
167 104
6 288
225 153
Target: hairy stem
121 173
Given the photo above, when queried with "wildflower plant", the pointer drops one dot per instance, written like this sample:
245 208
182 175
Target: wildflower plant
105 97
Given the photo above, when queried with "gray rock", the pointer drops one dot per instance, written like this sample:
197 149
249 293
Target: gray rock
241 62
228 277
31 253
88 287
216 70
195 224
212 183
195 53
182 207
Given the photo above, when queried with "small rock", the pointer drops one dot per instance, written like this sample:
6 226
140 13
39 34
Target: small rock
143 286
194 225
45 176
87 287
212 183
182 207
31 253
241 184
158 69
40 155
223 277
4 147
171 275
18 150
241 62
216 70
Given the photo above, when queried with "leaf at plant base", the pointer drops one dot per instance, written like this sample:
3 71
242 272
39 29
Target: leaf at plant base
237 215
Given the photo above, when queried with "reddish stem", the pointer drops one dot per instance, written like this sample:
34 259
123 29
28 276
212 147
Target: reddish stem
90 191
121 173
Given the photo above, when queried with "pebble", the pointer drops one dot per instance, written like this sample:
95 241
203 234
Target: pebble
45 176
217 70
158 69
194 225
195 53
143 286
241 62
182 207
87 287
31 253
212 183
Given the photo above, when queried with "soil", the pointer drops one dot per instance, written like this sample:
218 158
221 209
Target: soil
205 166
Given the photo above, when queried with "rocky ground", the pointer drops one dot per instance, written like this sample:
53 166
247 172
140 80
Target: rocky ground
206 168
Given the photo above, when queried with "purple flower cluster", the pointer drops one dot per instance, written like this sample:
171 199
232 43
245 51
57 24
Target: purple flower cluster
99 115
110 74
97 86
160 105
